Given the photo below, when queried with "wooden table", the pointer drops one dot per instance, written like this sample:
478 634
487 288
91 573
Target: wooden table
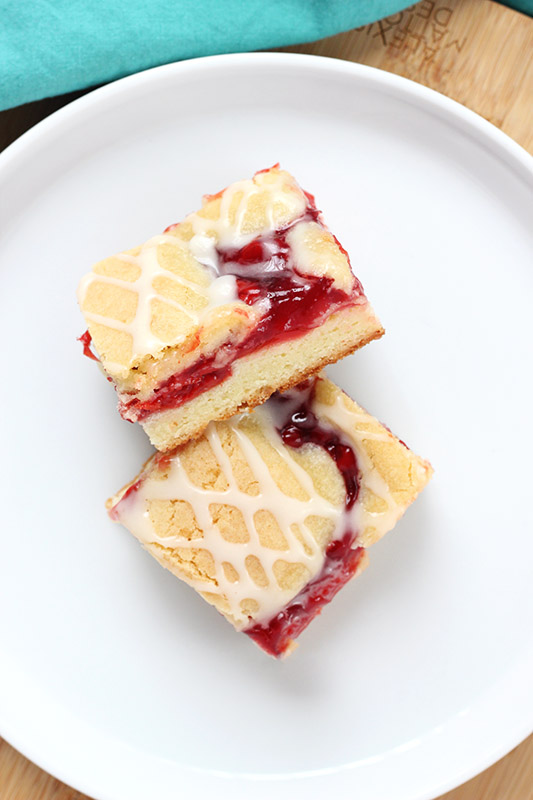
475 51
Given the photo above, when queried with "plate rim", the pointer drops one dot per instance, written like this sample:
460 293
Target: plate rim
429 97
515 158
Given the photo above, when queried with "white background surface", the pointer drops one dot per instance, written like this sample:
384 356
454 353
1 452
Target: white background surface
114 675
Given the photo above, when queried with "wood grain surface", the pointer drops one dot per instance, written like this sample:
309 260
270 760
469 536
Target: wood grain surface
475 51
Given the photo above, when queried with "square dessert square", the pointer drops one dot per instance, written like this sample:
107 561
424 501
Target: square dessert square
268 514
247 296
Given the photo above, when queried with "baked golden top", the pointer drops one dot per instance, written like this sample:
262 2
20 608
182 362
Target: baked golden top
246 519
166 301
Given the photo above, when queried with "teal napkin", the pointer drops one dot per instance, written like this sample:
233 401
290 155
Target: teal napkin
50 47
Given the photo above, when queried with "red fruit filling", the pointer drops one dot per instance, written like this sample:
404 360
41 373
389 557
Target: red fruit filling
86 340
298 426
293 303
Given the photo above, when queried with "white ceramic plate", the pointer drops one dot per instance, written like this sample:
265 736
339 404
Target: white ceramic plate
116 677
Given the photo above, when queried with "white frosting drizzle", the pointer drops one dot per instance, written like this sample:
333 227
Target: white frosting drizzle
232 234
349 420
288 511
227 232
220 292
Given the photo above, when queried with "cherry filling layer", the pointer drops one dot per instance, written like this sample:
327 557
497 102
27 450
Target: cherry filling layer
291 305
298 426
86 340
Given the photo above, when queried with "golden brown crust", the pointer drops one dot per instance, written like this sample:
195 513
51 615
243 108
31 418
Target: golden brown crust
298 377
136 328
156 311
165 439
305 373
211 479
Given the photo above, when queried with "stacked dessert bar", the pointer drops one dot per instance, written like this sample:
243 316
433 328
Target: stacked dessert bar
269 483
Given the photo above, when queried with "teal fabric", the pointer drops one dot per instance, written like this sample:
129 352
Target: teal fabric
50 47
525 6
